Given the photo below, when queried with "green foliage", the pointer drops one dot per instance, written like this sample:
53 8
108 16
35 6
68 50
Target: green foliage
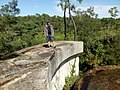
69 82
101 46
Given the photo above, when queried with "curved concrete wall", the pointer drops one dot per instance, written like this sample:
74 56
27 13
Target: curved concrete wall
40 68
60 65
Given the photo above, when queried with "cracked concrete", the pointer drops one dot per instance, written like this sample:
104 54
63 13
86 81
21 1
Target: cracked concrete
34 67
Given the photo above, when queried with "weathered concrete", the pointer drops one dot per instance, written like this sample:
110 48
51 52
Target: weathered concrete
40 68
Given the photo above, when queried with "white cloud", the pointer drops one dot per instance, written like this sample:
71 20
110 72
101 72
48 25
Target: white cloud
59 11
36 6
103 10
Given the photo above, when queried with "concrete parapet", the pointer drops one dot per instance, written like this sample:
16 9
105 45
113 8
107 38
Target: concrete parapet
40 68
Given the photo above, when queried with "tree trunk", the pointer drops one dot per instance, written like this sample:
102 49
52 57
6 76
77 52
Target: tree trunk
65 24
75 28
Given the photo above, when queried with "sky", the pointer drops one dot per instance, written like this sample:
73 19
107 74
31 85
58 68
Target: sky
32 7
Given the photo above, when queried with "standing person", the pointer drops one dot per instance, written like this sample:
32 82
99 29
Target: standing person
49 34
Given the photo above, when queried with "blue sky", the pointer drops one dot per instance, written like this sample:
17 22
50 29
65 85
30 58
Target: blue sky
31 7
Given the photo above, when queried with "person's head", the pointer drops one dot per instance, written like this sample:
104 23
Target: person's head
48 22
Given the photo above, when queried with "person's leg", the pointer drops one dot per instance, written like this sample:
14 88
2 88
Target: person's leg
52 44
49 43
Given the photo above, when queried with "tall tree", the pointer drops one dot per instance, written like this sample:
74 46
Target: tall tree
67 4
10 8
91 13
63 5
113 11
71 7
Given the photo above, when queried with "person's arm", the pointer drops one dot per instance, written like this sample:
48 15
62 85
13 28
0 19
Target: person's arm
52 31
45 31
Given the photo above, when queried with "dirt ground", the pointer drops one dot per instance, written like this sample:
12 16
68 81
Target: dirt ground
102 78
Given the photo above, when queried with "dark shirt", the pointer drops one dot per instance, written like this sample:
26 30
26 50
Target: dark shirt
49 30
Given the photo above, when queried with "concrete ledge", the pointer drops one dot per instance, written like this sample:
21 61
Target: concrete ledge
37 67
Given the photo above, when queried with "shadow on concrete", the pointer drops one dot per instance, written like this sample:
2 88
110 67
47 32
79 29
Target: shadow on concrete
46 46
9 56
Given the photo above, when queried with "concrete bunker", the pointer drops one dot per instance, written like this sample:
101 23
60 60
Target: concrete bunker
40 68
